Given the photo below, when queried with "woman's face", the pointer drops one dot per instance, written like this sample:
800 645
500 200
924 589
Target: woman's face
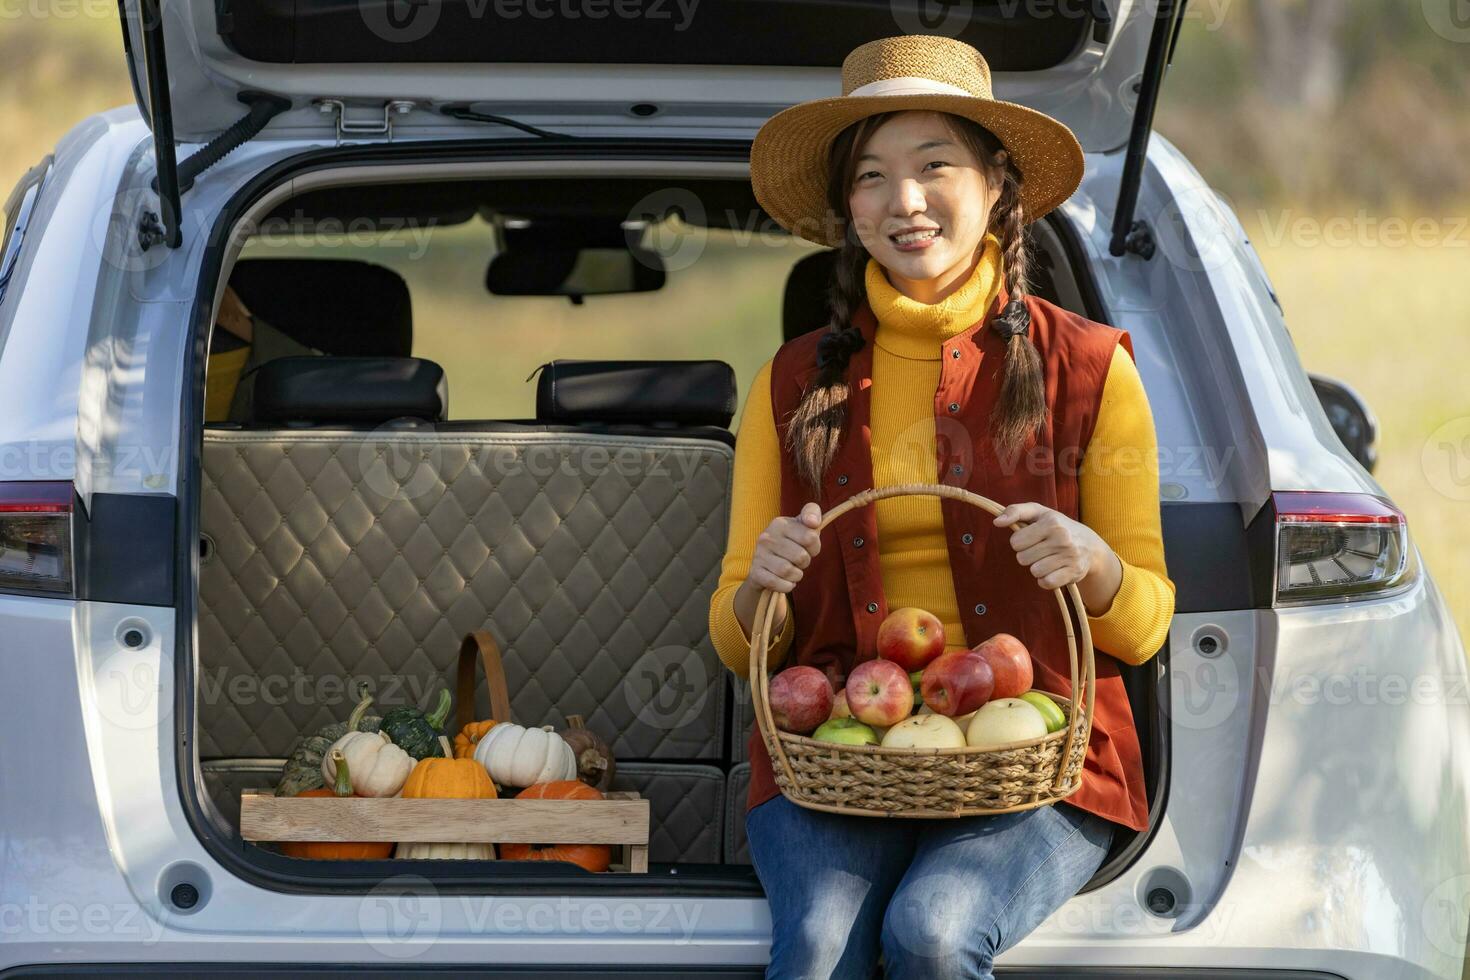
914 174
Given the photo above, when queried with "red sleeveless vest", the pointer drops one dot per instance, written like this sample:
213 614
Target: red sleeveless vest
839 602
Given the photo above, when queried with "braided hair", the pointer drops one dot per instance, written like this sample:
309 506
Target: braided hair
816 426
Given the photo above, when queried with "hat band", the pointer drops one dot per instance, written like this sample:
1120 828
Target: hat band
909 85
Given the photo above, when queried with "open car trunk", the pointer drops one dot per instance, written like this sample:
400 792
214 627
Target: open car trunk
643 64
335 554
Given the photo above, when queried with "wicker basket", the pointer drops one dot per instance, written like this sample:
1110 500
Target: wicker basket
870 780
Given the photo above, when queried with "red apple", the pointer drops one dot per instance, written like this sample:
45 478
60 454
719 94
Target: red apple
1011 662
801 699
910 637
957 683
880 693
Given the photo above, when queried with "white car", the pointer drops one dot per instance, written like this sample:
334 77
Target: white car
180 602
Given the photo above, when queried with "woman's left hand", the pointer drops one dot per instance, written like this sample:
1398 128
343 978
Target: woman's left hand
1060 551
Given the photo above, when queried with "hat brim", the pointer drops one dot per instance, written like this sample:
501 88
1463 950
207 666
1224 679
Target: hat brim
788 158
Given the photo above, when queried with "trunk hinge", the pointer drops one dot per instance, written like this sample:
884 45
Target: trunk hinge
358 121
1130 235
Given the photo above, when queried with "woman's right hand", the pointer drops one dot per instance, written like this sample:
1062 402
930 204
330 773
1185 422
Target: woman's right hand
782 552
785 549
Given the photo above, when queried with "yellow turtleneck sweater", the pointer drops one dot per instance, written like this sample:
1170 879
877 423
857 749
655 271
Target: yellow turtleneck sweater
1119 499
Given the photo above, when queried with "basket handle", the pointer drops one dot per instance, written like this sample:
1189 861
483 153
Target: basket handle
480 647
765 614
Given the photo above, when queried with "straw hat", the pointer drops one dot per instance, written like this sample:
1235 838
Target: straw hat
788 160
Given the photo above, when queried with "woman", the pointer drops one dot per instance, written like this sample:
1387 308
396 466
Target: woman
937 366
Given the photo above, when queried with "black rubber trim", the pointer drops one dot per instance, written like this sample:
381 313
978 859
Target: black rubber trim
123 551
356 877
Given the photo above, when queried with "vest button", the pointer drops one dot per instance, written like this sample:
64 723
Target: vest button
842 481
980 609
955 353
967 537
857 542
958 469
872 607
954 406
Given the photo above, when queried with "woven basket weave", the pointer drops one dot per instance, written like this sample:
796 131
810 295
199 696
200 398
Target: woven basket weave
869 780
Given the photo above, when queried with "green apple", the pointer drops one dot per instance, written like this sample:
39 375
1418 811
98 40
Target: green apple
917 676
1051 712
845 731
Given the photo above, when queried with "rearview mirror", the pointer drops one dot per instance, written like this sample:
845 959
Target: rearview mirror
1351 418
540 265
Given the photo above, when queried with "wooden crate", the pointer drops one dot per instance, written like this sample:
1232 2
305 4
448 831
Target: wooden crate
621 819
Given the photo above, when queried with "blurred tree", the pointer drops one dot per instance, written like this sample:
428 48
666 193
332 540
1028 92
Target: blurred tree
1299 52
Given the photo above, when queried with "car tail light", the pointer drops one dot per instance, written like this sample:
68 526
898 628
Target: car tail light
35 538
1339 546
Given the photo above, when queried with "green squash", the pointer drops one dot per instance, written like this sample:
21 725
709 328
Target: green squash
303 769
418 733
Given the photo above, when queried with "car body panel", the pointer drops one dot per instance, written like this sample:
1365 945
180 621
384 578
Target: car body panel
1092 92
1287 866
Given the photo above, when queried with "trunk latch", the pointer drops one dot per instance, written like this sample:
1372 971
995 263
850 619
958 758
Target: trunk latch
359 121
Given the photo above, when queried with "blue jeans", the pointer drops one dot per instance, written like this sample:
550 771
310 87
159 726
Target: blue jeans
938 898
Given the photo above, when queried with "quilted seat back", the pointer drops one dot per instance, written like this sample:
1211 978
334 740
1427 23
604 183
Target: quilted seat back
333 557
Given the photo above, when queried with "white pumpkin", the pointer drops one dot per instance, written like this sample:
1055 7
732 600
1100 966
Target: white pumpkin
449 852
376 766
521 757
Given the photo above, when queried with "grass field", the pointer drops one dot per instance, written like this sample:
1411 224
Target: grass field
1391 319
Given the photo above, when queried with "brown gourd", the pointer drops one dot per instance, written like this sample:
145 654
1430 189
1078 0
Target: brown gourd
595 763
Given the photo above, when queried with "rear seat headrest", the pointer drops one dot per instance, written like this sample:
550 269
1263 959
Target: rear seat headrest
369 390
345 307
804 304
681 392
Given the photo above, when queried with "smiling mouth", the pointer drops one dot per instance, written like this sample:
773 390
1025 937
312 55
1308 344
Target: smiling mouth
915 236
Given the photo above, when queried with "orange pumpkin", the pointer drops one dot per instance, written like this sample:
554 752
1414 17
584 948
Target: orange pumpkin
593 857
469 736
328 850
449 779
